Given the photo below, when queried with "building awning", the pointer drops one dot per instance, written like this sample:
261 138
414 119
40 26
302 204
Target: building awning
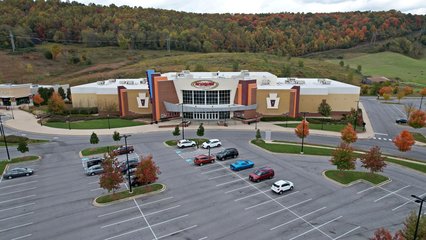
176 107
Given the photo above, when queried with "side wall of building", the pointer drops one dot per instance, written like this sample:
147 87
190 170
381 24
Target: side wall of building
283 104
337 102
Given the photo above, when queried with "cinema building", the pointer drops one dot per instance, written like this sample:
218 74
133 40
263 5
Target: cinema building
215 95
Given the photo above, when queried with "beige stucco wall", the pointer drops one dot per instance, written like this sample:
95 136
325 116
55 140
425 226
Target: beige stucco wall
337 102
283 106
16 91
107 102
84 100
133 104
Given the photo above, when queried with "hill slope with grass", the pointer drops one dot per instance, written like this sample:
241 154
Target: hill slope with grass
114 62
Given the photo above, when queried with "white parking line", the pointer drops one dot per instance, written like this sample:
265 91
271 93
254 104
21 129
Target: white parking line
385 134
96 189
247 208
93 182
408 199
140 229
214 170
221 184
6 209
21 215
366 190
129 208
272 213
18 226
412 201
23 190
219 176
140 210
297 218
19 184
251 195
22 237
170 234
14 199
346 233
317 227
203 238
138 217
390 193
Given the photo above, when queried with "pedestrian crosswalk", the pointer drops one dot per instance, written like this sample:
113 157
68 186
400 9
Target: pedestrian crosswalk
383 139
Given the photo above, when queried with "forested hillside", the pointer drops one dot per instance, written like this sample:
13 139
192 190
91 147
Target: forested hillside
294 34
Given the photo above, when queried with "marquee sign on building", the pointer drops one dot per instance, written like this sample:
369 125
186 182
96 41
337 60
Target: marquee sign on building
205 84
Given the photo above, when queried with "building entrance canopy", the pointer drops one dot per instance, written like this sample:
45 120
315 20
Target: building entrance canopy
173 107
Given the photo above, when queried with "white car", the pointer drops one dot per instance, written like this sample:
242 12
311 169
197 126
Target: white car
211 143
185 143
281 186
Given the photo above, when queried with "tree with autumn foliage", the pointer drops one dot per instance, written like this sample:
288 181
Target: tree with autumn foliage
422 93
404 141
38 100
417 119
56 104
385 90
384 234
302 130
348 134
400 95
373 160
112 177
147 171
407 90
343 157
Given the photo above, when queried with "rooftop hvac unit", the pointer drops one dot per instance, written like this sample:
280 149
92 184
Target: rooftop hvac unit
130 83
186 72
245 73
122 82
266 82
215 74
101 83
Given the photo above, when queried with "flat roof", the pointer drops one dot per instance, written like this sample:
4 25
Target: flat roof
110 86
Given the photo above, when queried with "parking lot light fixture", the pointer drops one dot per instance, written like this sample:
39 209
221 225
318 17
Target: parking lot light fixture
69 123
303 130
418 200
4 137
109 125
183 127
125 136
356 115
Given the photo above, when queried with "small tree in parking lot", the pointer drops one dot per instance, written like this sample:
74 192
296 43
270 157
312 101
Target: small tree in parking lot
176 132
258 135
200 132
373 160
348 134
404 141
343 157
147 171
417 119
112 177
94 138
23 147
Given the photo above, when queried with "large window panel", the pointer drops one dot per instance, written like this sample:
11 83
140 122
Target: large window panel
187 97
224 96
212 98
200 97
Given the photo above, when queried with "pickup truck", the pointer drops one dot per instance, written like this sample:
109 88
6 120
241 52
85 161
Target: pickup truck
123 150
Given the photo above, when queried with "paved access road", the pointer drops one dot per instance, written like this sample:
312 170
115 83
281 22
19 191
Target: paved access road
208 202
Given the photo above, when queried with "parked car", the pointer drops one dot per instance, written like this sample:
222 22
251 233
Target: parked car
89 162
93 170
262 174
212 143
203 159
133 163
134 181
241 165
281 186
401 120
185 143
227 153
123 150
18 172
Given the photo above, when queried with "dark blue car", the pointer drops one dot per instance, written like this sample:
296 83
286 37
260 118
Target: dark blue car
241 165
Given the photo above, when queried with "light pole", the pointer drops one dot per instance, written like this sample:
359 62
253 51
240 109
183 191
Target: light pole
11 108
421 101
419 200
125 136
356 115
303 131
109 126
255 123
69 123
286 118
183 127
4 137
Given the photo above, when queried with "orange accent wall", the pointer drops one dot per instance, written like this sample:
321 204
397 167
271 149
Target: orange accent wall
251 88
240 94
157 99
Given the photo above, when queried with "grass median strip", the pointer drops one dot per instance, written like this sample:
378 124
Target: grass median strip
346 177
174 142
287 147
125 194
95 124
419 137
98 150
3 163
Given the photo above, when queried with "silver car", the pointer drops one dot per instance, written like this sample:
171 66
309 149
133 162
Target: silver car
93 170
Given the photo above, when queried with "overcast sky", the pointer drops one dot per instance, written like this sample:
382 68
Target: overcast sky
273 6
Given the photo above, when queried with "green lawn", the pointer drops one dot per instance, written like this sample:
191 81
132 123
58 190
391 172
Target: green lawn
98 150
124 194
412 165
284 148
317 126
419 137
346 177
390 65
13 140
3 163
96 124
174 142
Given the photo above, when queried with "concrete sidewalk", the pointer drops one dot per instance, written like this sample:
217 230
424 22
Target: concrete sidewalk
27 122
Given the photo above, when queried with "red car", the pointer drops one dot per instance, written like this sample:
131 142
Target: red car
262 174
203 159
123 150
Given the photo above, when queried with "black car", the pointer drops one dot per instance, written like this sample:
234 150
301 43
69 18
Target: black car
18 172
227 153
133 163
401 120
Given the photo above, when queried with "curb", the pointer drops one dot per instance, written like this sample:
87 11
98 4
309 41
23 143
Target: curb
94 203
356 181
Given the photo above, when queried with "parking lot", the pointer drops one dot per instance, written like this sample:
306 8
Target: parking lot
204 202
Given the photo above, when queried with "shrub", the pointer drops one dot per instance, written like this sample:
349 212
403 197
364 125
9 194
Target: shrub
48 55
